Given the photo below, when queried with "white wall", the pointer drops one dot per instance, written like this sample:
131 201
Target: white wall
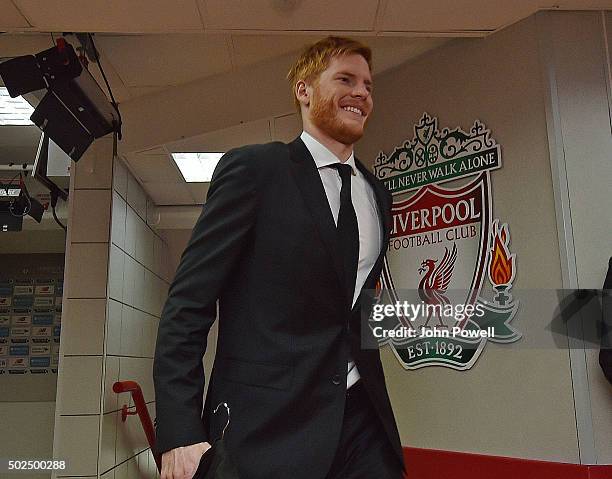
33 241
28 424
576 66
515 401
27 432
139 272
116 281
549 404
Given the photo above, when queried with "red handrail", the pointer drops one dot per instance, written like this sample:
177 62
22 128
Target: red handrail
142 411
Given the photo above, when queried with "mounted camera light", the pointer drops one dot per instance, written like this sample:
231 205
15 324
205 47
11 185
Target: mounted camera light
75 110
15 204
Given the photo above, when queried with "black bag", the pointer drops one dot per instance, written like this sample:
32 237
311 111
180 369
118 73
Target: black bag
605 353
216 462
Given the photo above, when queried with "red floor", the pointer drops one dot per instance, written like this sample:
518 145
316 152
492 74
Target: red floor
435 464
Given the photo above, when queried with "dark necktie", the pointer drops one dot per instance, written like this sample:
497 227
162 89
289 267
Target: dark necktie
348 231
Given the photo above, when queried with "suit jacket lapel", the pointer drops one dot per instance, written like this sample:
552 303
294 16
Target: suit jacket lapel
384 209
311 187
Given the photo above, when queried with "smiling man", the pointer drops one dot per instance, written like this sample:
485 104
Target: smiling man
289 237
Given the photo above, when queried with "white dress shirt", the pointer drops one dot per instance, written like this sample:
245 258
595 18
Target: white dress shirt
368 218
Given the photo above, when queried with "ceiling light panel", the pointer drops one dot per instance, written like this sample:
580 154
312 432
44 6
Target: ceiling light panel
196 167
14 111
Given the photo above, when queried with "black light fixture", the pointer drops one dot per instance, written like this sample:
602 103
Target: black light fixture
17 205
26 205
75 110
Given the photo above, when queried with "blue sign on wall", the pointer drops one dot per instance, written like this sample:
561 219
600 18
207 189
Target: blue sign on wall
22 350
40 362
42 319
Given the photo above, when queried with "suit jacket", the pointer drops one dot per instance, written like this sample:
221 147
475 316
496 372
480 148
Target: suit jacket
265 246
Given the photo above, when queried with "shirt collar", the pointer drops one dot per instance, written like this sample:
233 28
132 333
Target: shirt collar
322 155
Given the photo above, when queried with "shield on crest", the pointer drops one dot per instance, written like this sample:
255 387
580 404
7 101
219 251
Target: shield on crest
425 129
437 256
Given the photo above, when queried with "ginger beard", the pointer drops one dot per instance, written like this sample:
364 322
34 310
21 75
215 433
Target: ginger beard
324 115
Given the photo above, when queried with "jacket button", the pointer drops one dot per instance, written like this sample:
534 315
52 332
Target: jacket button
336 379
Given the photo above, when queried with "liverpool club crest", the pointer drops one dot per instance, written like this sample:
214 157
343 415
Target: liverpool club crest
449 269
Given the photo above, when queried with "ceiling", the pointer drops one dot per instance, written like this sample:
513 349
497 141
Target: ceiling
306 16
170 64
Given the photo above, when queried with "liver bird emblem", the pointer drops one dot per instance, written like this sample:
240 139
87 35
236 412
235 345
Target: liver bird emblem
434 283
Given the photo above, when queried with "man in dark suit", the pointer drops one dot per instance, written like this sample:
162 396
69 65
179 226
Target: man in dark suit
289 237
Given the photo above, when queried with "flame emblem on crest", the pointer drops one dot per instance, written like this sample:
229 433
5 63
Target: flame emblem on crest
378 291
501 264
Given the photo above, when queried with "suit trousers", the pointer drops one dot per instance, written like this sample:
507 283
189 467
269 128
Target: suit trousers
364 451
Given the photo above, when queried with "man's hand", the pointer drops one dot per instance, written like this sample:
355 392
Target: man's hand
182 462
